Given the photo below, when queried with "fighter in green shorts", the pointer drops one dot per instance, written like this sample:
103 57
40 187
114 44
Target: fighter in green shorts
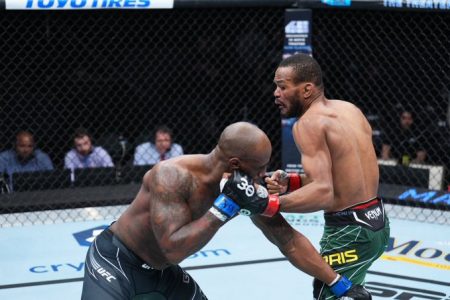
353 239
340 169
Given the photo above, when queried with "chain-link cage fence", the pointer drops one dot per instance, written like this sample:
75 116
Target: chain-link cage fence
113 78
395 66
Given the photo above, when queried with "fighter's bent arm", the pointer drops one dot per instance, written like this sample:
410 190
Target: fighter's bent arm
316 161
178 235
295 246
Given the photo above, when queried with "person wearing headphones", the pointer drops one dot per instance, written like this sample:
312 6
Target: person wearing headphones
162 148
24 157
85 154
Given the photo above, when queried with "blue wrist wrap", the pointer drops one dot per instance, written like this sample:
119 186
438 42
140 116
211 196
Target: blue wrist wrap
226 205
341 287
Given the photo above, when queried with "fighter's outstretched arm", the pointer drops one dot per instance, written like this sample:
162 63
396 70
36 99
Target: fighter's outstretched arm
178 235
302 254
295 246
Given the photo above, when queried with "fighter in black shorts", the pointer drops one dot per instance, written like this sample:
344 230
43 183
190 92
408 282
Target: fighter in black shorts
177 211
115 272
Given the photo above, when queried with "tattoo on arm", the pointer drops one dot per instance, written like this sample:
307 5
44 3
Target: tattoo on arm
177 233
169 188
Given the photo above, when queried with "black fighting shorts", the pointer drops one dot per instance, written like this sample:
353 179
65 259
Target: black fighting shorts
112 271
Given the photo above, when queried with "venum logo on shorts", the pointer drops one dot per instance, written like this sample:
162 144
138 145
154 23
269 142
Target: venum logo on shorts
373 214
85 237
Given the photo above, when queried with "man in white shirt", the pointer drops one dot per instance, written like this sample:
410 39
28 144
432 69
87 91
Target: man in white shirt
151 153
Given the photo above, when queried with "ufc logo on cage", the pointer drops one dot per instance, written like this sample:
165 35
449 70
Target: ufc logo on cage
244 186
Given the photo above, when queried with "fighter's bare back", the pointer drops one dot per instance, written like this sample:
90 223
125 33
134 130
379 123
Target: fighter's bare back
347 145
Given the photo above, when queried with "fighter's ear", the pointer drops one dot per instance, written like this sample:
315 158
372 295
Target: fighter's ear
234 163
307 89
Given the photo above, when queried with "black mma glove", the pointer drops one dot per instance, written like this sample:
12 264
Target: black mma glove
357 292
226 206
252 201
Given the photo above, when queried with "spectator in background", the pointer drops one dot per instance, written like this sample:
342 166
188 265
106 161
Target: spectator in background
404 142
162 148
24 157
85 154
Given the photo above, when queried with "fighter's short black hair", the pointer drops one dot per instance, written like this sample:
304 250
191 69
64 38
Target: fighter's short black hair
306 68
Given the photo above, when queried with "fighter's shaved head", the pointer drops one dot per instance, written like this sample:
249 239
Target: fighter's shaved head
244 140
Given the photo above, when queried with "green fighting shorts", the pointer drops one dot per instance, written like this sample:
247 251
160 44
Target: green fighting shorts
353 239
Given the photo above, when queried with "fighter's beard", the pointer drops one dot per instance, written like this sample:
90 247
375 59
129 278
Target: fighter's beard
296 111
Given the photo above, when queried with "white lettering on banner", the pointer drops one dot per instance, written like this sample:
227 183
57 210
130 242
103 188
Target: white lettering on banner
373 214
297 27
88 4
393 3
429 4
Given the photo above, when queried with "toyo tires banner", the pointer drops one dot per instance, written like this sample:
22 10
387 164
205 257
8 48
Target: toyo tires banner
87 4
